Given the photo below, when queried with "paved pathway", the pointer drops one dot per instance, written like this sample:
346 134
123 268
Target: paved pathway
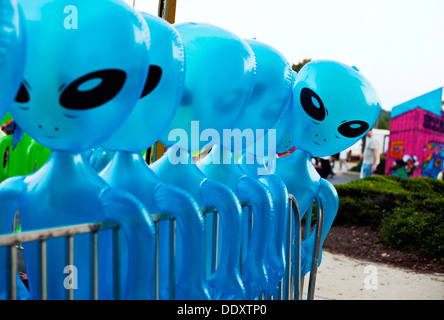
343 176
344 278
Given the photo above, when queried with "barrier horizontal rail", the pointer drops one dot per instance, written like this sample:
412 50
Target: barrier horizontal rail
43 234
291 286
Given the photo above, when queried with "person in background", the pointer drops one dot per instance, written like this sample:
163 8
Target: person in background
441 176
343 159
317 164
323 167
370 157
326 167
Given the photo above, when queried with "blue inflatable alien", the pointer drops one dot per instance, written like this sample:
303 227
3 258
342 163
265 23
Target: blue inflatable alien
12 52
262 268
81 81
334 106
129 171
12 63
218 80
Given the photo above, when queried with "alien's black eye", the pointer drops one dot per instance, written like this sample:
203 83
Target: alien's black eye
353 129
312 104
153 79
93 90
22 95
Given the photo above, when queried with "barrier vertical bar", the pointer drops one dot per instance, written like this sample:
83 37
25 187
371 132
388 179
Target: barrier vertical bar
211 239
317 244
71 262
95 267
308 216
13 264
157 259
116 262
207 246
297 283
215 249
288 249
8 250
172 252
307 227
43 269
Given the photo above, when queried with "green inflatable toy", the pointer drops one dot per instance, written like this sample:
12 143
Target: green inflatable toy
27 156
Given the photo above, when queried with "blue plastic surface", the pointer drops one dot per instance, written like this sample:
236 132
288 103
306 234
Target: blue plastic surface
77 93
12 52
129 171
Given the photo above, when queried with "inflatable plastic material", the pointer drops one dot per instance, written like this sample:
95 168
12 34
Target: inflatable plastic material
217 83
254 265
75 94
99 157
161 94
129 171
271 91
219 78
101 75
262 269
281 141
225 282
12 52
334 106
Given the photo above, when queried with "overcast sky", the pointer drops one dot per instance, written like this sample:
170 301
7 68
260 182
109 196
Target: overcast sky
397 44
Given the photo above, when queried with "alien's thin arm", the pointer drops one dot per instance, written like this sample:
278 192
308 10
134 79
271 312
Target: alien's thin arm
226 280
138 229
330 202
191 284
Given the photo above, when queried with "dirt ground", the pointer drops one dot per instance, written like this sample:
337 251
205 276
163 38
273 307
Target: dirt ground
361 242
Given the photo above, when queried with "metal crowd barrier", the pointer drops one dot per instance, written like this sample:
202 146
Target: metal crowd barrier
290 288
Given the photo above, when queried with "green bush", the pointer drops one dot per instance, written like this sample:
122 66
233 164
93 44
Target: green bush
415 231
380 169
409 213
364 201
357 167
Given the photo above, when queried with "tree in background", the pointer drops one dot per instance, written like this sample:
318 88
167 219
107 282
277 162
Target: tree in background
299 65
384 120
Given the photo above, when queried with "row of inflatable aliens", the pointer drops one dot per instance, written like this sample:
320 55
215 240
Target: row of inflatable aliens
123 80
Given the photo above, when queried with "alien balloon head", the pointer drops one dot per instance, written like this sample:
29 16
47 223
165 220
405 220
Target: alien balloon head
12 52
219 77
272 88
272 91
334 105
83 74
161 94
